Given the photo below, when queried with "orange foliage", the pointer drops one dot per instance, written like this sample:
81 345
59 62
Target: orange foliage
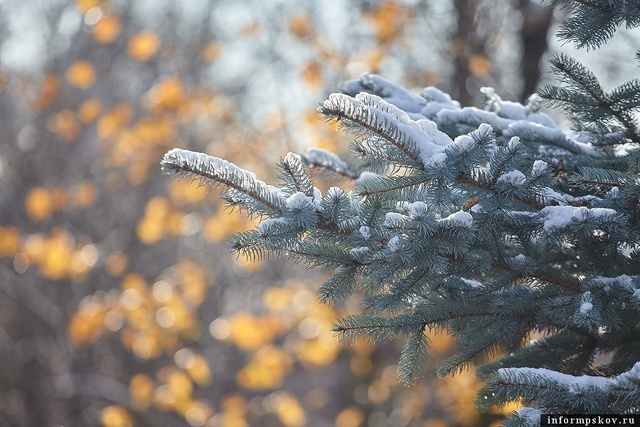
81 74
169 93
86 324
48 91
388 20
39 204
350 417
107 29
249 332
85 5
9 241
160 220
143 46
312 74
65 125
211 51
115 416
114 120
301 25
90 110
266 369
289 410
479 65
141 387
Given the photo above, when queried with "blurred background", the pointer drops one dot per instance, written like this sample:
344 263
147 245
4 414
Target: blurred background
119 304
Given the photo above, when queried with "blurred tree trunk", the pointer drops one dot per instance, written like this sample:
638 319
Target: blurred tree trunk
536 21
465 44
470 45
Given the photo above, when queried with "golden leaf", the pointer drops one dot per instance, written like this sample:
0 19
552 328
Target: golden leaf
114 120
167 94
65 125
49 90
180 384
106 29
84 5
9 241
116 264
143 46
211 51
115 416
479 65
289 410
141 388
312 74
301 25
250 332
266 369
81 74
56 256
39 204
90 110
199 370
350 417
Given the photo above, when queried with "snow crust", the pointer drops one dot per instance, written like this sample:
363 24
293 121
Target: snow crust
514 177
460 218
365 232
557 217
573 384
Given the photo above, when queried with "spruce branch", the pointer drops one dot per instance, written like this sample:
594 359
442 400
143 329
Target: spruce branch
214 171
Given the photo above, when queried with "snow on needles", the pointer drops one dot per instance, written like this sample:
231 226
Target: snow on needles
558 217
515 177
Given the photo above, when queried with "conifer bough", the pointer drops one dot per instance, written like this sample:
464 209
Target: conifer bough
489 222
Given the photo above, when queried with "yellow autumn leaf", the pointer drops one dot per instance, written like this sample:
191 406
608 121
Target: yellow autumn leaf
199 370
90 110
81 74
143 46
250 332
39 204
54 262
116 264
146 344
169 93
83 195
141 388
106 29
350 417
480 65
193 282
278 299
114 120
312 74
180 384
289 410
198 413
301 25
49 89
388 20
234 408
211 51
84 5
9 241
115 416
65 124
266 369
320 351
84 328
186 194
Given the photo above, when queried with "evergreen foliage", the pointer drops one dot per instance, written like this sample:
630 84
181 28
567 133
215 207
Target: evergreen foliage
487 222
